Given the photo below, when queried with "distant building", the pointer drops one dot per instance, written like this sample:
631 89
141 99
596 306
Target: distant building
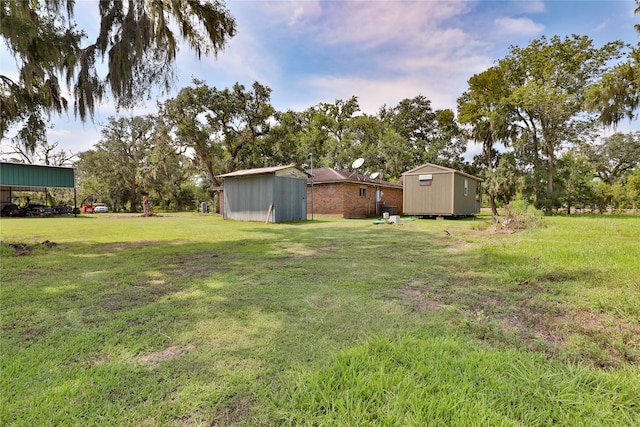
432 190
350 195
272 194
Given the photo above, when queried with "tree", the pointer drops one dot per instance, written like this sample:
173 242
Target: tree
225 128
135 38
481 107
614 156
617 95
121 160
166 175
242 117
46 154
576 180
334 121
415 121
448 141
633 188
547 83
288 141
394 159
430 136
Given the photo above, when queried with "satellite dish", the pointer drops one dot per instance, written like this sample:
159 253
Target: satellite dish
357 163
374 175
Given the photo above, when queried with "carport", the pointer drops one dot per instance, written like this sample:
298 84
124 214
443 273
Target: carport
21 177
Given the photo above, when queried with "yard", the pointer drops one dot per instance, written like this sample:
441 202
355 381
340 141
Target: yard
189 320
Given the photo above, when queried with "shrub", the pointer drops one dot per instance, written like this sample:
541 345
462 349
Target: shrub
521 215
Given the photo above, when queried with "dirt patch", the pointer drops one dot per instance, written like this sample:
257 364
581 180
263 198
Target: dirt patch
537 323
420 300
22 249
197 265
168 353
239 409
121 245
32 334
97 359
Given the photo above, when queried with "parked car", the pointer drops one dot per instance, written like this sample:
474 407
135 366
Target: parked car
100 208
13 210
37 209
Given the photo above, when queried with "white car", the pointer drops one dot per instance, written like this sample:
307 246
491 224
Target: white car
100 208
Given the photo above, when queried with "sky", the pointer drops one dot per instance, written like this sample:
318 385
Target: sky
312 51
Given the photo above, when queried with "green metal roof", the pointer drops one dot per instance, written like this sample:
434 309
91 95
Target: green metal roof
21 175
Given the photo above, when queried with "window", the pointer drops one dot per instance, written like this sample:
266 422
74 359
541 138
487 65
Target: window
362 191
426 180
466 187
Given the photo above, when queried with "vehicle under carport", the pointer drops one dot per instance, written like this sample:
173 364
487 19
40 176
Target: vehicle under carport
16 177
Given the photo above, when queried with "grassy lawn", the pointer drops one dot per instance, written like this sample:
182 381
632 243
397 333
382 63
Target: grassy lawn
189 320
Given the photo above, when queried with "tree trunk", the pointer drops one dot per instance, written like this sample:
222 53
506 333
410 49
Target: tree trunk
146 206
133 208
550 176
494 208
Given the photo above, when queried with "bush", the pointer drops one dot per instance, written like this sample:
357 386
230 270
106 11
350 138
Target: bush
521 215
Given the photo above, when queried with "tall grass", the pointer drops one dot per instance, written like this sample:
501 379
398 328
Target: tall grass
422 380
192 320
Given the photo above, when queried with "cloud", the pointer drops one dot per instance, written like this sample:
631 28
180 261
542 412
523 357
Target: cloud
372 24
531 6
275 14
506 26
374 93
296 15
603 26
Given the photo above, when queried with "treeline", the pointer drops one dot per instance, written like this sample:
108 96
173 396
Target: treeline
536 115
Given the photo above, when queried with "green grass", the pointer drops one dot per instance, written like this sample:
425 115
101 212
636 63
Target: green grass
185 320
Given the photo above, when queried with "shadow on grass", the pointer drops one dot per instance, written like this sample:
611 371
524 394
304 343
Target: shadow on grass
208 328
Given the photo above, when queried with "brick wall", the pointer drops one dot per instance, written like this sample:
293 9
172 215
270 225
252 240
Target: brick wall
347 201
393 197
327 199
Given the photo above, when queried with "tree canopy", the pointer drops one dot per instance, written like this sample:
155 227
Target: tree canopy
137 39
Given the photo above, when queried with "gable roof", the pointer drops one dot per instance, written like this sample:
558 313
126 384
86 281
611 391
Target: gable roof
330 175
419 169
261 171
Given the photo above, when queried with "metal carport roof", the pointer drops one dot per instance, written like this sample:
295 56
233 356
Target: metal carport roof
22 177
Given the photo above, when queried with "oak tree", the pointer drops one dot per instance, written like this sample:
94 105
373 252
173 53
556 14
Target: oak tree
137 39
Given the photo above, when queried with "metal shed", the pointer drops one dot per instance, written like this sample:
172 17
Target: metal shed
272 194
23 177
432 190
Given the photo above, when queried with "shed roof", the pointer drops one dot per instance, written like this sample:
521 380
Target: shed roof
330 175
21 176
419 169
261 171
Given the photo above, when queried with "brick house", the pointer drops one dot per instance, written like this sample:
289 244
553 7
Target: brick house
350 195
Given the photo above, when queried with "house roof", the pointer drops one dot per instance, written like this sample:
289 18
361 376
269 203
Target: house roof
330 175
261 171
443 168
